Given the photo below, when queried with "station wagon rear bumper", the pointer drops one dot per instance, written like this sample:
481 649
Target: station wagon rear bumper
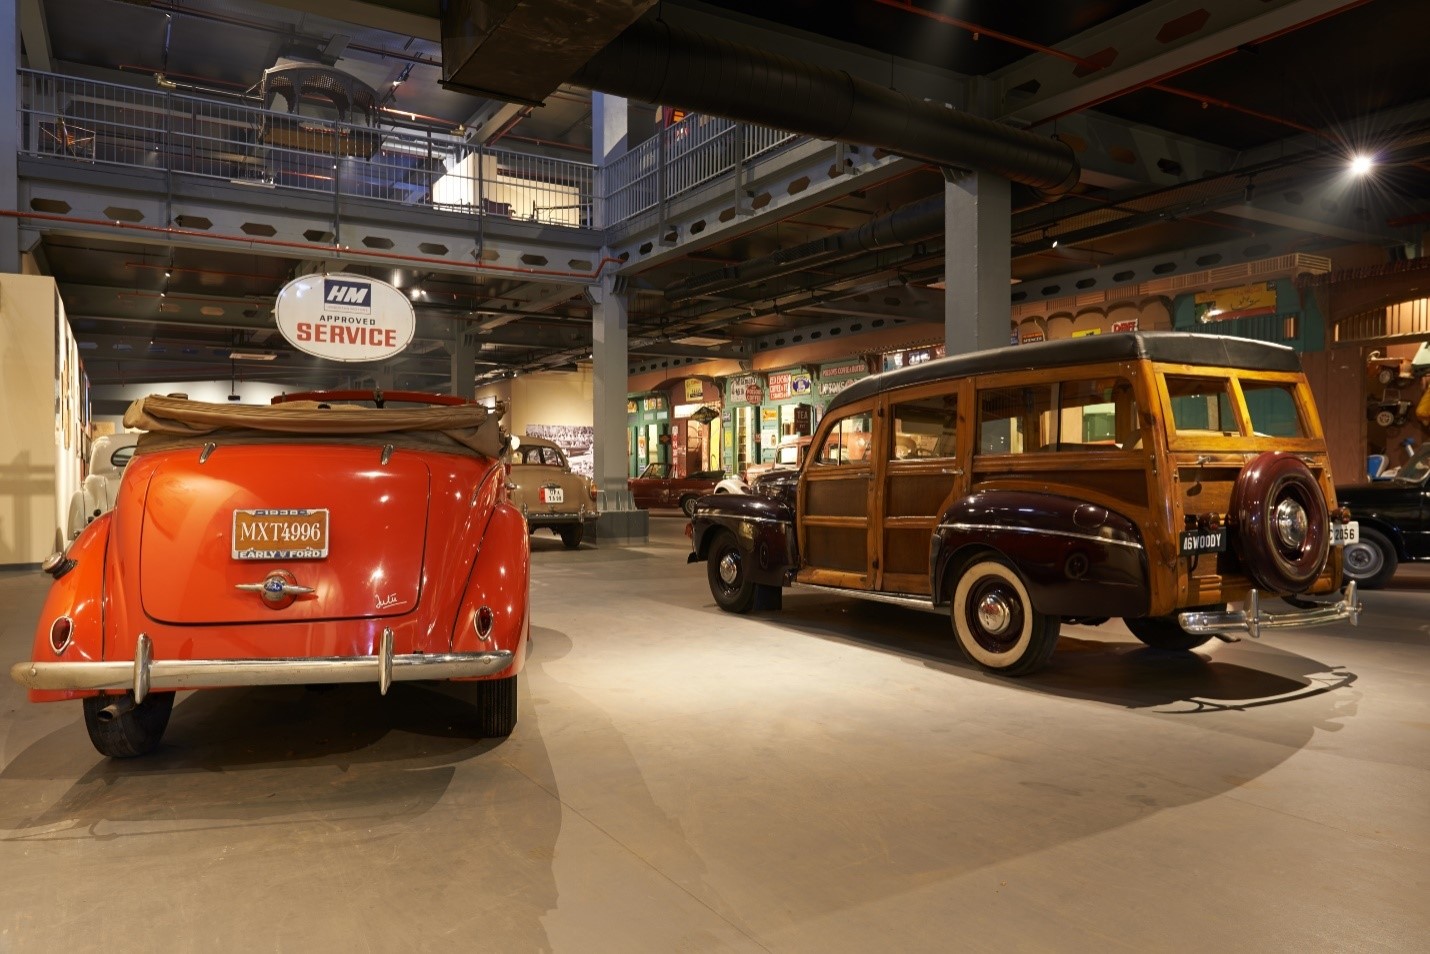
145 673
1251 619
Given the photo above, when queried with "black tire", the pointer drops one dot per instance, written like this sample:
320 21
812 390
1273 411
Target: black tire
1164 632
571 535
1371 561
995 623
133 731
687 505
496 708
729 577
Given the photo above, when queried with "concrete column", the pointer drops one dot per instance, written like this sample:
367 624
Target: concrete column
464 359
610 138
9 130
620 521
977 229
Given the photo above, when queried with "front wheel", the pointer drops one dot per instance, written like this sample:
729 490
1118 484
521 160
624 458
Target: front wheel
1370 561
1164 632
571 535
995 622
496 707
730 582
122 730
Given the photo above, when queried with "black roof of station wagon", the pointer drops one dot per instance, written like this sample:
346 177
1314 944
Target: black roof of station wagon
1178 347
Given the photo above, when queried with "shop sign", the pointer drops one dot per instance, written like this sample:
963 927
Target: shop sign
831 388
800 383
694 390
786 384
779 385
1128 325
801 419
631 407
344 317
1031 336
842 369
770 416
1243 301
653 403
1087 332
754 394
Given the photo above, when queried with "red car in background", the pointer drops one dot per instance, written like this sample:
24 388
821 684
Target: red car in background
657 487
312 541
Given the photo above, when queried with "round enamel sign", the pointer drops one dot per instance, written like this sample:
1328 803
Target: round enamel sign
344 317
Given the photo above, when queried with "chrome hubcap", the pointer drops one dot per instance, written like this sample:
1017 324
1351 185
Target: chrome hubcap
1291 523
994 614
730 568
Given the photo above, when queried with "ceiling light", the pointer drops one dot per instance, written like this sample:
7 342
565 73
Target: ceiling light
168 273
1055 243
252 356
1360 164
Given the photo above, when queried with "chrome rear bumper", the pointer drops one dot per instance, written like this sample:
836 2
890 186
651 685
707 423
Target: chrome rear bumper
1252 620
145 673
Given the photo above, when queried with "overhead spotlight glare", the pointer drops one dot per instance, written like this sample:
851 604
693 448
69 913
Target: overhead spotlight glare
1361 164
1055 243
168 273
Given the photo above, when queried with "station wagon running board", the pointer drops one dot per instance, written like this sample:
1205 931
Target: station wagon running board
911 600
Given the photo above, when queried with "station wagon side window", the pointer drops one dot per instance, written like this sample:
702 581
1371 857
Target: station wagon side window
848 441
1015 420
1096 414
1202 406
1273 407
926 427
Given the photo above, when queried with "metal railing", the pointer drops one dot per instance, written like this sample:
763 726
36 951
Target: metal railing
682 157
104 123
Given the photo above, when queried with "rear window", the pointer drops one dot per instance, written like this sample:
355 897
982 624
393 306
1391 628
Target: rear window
1273 407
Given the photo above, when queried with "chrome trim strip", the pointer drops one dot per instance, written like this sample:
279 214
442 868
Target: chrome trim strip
166 674
910 600
732 517
1252 620
1090 538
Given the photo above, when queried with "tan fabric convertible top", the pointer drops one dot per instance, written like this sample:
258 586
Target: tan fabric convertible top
470 425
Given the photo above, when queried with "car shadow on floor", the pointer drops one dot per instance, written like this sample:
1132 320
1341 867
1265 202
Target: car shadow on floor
1099 663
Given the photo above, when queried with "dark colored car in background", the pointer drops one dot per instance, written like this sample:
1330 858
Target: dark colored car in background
1394 519
658 487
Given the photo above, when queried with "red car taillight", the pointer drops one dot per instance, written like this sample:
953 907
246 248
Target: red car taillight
61 631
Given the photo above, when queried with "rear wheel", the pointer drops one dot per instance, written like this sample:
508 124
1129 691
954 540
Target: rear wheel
122 730
571 535
496 707
687 504
1164 632
995 622
1370 561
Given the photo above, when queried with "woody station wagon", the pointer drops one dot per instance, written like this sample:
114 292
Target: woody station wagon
1176 481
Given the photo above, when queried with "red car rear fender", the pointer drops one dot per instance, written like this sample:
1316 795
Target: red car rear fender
498 595
79 597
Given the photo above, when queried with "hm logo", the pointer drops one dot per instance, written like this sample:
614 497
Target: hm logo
348 295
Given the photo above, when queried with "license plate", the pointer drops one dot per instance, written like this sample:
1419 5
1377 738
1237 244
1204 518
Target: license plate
552 495
1345 533
1203 541
280 534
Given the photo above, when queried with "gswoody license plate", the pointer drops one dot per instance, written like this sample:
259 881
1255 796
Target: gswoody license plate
552 495
280 534
1343 534
1203 541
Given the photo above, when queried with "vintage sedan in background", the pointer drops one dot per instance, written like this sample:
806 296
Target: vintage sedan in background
1394 519
311 541
547 493
658 487
108 456
1176 481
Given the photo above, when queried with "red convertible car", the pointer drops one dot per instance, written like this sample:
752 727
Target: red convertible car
657 486
312 541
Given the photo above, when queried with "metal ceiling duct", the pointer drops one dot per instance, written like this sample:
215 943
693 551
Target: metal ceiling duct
657 63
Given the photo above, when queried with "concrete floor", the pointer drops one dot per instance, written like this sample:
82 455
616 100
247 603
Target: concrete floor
832 777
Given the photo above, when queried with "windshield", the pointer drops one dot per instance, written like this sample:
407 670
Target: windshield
1416 468
656 471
